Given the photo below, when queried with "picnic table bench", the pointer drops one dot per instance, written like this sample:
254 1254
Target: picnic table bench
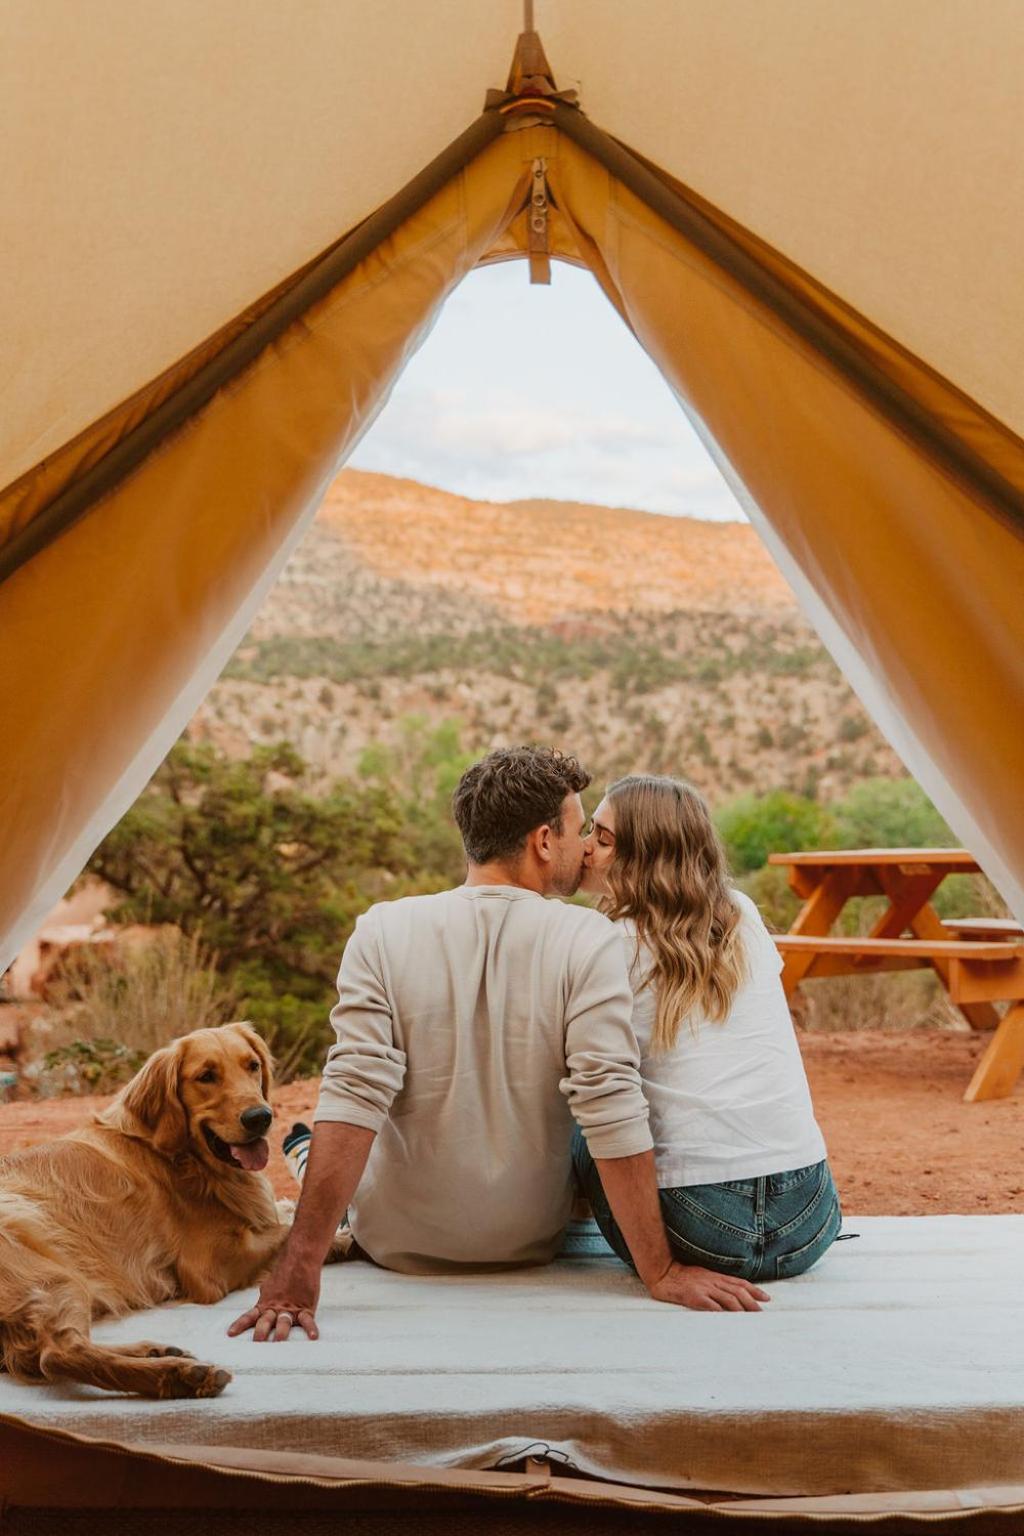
980 961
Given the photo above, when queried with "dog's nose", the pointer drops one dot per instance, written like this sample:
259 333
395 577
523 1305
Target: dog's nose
257 1119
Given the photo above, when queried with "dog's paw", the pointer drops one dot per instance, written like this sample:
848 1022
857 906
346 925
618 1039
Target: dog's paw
146 1349
195 1379
341 1247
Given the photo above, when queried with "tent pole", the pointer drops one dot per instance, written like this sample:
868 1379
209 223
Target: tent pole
335 264
980 479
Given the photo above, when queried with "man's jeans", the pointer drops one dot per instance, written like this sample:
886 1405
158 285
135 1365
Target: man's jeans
757 1229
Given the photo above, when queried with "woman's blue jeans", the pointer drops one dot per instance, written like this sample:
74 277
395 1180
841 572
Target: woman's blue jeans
757 1229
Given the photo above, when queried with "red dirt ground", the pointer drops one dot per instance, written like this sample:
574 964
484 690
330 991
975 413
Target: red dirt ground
901 1140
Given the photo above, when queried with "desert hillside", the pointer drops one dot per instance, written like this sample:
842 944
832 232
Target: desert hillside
538 561
633 639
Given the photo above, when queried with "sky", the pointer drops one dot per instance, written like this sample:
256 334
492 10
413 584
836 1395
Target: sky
528 391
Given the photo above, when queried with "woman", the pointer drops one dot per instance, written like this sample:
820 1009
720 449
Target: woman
745 1186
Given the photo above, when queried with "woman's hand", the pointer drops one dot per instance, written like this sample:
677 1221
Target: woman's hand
704 1290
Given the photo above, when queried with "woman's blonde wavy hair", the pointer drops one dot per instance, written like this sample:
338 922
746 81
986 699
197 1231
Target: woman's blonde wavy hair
670 876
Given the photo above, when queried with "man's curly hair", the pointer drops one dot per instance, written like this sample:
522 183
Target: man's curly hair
508 794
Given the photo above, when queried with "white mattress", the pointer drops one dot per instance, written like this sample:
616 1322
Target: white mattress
897 1364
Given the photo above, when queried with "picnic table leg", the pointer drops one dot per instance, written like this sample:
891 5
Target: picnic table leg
928 925
911 908
824 902
998 1070
907 896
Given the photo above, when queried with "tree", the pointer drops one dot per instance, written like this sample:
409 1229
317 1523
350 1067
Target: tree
269 877
422 769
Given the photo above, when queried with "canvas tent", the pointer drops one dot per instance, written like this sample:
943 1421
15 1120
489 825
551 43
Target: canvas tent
231 226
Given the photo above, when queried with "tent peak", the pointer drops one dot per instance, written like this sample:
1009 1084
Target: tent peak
531 85
530 72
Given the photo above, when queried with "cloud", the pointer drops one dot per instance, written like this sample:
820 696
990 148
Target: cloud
523 391
502 449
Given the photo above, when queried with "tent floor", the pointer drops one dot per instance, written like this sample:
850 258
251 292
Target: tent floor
896 1365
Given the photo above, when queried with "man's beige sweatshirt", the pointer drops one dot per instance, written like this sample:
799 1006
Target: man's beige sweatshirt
469 1025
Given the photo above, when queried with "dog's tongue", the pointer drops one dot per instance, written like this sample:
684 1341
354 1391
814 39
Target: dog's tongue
252 1155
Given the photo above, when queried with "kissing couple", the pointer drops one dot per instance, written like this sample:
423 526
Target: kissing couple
498 1050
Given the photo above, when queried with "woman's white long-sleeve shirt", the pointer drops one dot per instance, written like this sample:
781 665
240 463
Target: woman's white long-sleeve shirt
729 1101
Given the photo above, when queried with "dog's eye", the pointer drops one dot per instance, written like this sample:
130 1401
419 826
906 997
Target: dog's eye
209 1076
254 1065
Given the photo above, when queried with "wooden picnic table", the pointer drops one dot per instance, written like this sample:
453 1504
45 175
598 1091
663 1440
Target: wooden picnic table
980 961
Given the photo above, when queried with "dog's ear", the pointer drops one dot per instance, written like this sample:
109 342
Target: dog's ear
259 1045
153 1099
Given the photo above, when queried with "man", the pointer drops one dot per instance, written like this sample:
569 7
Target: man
470 1023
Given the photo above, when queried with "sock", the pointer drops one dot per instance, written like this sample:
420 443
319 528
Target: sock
296 1149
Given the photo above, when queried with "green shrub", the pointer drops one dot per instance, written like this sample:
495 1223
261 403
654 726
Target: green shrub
753 826
812 779
791 734
968 896
768 888
639 658
112 1005
88 1066
890 813
270 880
852 728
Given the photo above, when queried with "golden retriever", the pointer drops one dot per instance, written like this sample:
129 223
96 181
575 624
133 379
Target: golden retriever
160 1197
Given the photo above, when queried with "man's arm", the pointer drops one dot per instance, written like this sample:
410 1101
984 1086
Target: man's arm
289 1294
363 1073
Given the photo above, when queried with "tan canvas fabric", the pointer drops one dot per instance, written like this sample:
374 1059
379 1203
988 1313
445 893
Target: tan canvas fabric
32 491
53 1469
878 145
113 634
164 166
953 411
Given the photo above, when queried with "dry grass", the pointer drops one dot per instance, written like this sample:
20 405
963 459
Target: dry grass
113 1006
914 1000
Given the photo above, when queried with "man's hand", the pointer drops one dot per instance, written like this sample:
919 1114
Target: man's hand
289 1294
287 1299
703 1290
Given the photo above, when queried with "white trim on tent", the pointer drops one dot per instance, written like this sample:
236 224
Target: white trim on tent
868 688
